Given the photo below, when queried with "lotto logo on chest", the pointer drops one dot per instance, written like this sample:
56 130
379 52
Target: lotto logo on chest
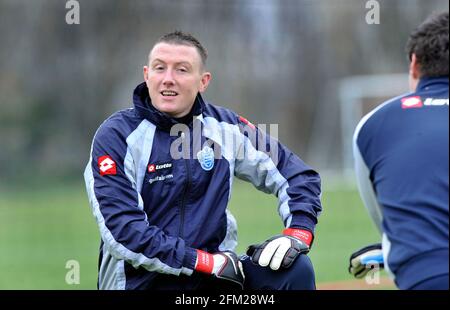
156 167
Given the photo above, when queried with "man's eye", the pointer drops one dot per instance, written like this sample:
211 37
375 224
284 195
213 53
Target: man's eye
158 68
182 69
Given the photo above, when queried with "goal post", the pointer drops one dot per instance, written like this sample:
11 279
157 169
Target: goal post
358 95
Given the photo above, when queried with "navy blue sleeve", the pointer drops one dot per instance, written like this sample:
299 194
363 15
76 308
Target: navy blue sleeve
273 168
118 209
401 151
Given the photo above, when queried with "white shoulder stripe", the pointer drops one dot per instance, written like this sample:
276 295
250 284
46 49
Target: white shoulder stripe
368 115
139 148
362 172
256 167
118 250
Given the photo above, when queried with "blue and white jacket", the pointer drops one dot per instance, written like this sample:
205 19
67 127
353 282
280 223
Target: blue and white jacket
159 189
401 162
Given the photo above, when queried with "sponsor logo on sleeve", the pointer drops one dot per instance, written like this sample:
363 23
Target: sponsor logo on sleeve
411 102
436 102
106 165
416 102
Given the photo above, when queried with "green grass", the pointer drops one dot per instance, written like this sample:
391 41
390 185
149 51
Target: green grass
343 227
43 228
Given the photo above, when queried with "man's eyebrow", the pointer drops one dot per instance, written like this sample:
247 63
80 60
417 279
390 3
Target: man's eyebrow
185 63
157 60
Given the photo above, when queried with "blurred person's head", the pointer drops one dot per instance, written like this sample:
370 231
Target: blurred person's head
427 49
175 73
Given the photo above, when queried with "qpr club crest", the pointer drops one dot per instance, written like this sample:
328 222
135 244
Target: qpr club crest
206 158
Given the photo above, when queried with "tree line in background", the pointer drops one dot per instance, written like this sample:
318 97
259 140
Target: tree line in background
272 62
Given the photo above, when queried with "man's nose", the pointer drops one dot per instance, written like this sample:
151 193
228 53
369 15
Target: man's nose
168 78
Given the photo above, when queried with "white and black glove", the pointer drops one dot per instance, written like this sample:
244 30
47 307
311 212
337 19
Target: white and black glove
365 259
281 250
222 265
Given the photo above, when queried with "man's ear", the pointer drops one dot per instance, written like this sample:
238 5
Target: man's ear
204 82
414 67
414 73
145 72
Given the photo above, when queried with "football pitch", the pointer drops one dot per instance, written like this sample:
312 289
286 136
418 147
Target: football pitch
43 229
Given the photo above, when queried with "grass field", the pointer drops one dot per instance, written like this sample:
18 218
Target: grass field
43 228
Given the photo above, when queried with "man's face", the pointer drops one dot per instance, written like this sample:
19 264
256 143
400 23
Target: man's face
174 76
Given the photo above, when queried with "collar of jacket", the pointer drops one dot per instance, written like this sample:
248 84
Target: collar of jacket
145 109
426 82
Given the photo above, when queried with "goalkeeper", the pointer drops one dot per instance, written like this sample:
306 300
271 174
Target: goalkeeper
401 161
159 180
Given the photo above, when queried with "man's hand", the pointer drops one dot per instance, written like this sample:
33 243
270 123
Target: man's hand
223 265
363 260
281 250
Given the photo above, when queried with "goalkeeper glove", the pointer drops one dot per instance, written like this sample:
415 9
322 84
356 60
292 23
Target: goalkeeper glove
281 250
222 265
365 259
